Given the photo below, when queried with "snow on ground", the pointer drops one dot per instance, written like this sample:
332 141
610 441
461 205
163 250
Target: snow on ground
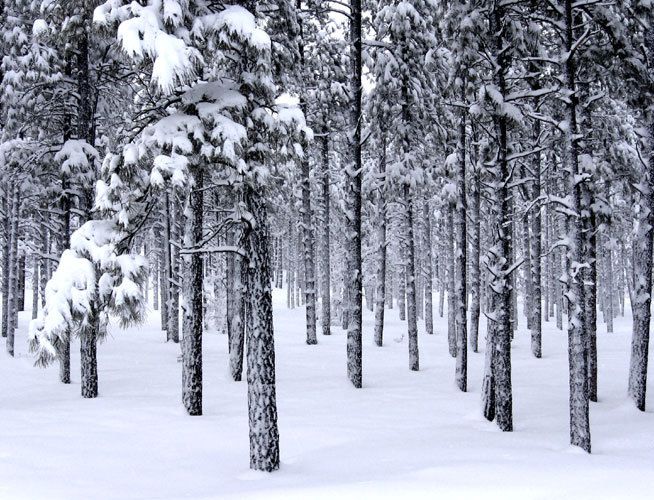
404 435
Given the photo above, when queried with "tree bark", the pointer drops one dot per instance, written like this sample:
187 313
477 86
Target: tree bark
309 246
12 277
192 342
412 324
461 246
429 274
21 283
380 296
451 283
642 289
609 296
590 297
502 255
6 222
475 251
577 321
353 197
35 286
44 262
536 250
325 254
89 360
165 267
236 312
172 216
262 406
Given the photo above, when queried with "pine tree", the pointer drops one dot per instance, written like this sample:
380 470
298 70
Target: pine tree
354 174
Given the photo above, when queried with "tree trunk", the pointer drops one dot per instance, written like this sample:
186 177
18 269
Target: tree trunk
64 352
89 358
501 283
412 324
44 262
236 312
380 296
547 278
451 283
309 246
192 342
590 296
165 267
642 262
289 270
401 274
13 269
35 286
155 284
429 274
577 326
262 406
560 266
475 251
527 303
21 283
325 256
488 381
536 302
460 288
6 222
642 288
353 197
609 300
172 216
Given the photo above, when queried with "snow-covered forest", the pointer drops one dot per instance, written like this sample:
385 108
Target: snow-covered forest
337 241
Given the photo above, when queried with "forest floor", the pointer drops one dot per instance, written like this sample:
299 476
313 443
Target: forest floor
404 435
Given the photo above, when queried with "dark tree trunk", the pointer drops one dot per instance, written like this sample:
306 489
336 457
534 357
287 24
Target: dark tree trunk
309 247
155 280
590 296
380 296
64 352
89 357
44 262
642 261
35 286
501 284
412 325
609 295
192 342
13 270
527 303
429 273
642 287
306 213
401 277
236 315
475 251
488 381
165 267
451 283
325 288
577 326
6 249
172 216
353 197
264 435
536 302
460 288
21 283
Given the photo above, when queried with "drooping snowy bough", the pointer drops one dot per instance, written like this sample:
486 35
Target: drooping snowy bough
98 277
